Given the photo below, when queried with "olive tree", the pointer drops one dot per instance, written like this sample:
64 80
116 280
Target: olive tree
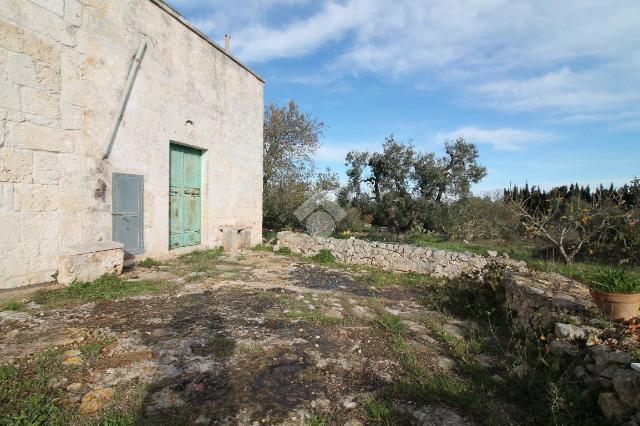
291 138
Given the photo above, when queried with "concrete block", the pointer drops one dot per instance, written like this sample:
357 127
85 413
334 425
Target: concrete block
88 262
41 49
36 198
37 137
16 165
6 197
9 227
72 117
20 69
11 36
9 95
48 77
46 168
36 226
34 101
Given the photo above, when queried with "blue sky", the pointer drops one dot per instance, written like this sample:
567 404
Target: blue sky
548 90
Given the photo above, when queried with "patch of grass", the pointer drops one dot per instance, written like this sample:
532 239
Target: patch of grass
14 305
201 255
107 287
221 346
325 257
314 315
613 280
286 251
149 263
117 418
380 279
379 411
252 348
263 247
315 420
25 397
94 349
392 324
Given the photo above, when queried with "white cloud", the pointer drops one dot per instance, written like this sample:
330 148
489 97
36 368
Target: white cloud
571 58
501 139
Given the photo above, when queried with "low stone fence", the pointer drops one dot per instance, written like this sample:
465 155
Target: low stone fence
390 257
596 355
541 299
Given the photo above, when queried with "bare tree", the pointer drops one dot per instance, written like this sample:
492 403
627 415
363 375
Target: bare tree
567 223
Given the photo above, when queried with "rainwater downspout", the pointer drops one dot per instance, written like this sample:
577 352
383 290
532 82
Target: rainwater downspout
133 72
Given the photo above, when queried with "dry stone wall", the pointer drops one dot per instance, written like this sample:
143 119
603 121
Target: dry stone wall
389 257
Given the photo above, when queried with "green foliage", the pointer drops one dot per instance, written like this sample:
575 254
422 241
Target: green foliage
107 287
286 251
314 420
221 346
314 315
391 323
291 138
399 184
94 349
379 411
613 280
149 263
116 418
381 279
324 256
25 397
263 247
14 305
201 255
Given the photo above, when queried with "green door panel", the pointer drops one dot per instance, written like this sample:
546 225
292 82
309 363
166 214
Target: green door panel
184 196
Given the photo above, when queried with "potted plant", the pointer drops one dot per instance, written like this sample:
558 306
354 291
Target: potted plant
616 292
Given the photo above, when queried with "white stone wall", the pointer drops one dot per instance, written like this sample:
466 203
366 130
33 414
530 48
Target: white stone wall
390 257
63 68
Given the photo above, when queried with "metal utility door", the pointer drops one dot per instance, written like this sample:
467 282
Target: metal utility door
127 222
184 196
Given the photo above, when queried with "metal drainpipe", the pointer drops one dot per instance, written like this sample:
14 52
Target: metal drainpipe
133 72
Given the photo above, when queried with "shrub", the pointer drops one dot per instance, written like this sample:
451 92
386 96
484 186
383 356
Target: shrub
285 251
614 280
148 263
325 256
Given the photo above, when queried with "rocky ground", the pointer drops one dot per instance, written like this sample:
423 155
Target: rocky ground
258 338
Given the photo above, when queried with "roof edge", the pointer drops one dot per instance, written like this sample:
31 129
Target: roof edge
162 4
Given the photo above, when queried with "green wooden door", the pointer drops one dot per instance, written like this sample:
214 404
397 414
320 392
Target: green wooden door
184 196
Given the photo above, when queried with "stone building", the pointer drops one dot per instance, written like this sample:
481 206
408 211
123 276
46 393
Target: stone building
119 121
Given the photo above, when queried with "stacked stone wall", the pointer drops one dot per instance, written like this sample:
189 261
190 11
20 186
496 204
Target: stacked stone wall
391 257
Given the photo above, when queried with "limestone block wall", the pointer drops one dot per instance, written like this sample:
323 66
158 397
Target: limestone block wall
390 257
63 68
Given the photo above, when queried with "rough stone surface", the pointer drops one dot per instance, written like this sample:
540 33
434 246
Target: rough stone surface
88 262
542 299
63 65
95 400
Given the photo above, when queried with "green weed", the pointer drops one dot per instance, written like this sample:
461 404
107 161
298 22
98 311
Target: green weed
25 397
107 287
149 263
325 256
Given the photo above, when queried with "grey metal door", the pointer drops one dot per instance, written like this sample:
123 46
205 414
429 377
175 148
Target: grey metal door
128 212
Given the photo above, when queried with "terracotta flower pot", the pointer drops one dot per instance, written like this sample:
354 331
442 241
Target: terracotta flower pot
617 306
